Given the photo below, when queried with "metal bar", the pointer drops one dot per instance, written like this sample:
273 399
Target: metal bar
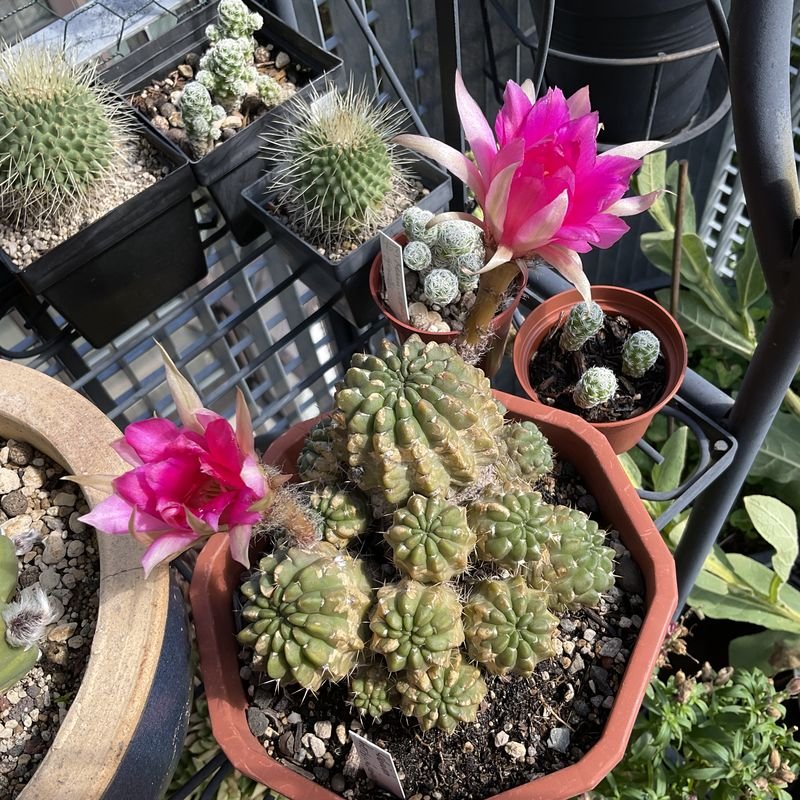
545 31
652 100
285 10
720 23
492 57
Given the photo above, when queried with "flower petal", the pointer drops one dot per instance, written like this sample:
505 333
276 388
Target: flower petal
634 205
578 103
528 87
568 263
149 439
476 128
510 118
124 450
239 542
109 516
187 401
508 161
244 425
542 225
165 548
637 150
501 256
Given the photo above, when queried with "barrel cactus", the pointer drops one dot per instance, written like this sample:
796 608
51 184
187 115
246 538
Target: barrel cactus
60 134
583 322
430 539
441 287
508 626
317 460
596 386
234 21
639 353
415 224
414 626
343 515
304 610
416 418
227 71
372 691
530 456
199 115
442 696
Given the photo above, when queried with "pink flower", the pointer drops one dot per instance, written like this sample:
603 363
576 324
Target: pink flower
543 188
187 482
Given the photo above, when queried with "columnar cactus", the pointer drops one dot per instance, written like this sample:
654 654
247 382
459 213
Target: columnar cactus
639 353
234 21
317 460
430 539
417 256
372 691
443 695
199 115
60 132
416 418
304 611
415 221
596 386
227 71
583 322
343 514
508 627
414 626
441 286
529 455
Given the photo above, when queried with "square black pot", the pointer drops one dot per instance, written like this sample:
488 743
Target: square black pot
351 274
116 271
232 165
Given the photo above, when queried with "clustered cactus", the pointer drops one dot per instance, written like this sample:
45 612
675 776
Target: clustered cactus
227 70
449 485
234 21
199 115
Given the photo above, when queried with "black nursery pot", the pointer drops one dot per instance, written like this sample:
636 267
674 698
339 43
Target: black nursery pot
232 165
116 271
351 274
625 29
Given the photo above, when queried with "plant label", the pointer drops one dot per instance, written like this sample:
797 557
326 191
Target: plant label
378 765
394 280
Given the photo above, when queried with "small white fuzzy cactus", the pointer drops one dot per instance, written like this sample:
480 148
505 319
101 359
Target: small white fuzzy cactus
234 21
227 71
269 90
417 256
466 269
596 386
639 353
455 238
199 115
27 617
415 221
441 286
583 322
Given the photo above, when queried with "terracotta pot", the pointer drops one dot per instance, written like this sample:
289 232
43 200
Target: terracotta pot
105 747
642 313
217 576
501 324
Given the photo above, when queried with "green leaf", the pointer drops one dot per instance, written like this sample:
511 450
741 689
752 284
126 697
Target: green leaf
779 457
750 283
755 574
776 523
9 569
631 469
652 176
741 608
769 651
689 215
667 475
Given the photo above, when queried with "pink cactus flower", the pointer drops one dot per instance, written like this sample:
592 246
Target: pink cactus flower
187 482
543 188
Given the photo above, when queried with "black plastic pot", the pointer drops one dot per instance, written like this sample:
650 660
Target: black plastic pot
351 274
232 165
632 29
116 271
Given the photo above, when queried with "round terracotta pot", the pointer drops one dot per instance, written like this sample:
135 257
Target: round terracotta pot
642 312
125 727
217 577
501 324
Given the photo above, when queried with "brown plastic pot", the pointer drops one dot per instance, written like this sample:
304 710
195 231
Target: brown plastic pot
217 576
642 312
501 324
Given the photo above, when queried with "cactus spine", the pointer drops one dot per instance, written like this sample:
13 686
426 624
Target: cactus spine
227 71
372 691
199 116
596 386
234 21
583 322
441 287
417 256
639 353
343 514
415 221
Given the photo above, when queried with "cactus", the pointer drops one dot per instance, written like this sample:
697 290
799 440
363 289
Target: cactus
372 691
430 539
317 460
415 221
415 626
227 71
583 322
60 132
466 268
512 528
343 514
234 21
269 90
336 165
415 418
596 386
456 238
639 353
304 611
199 116
443 695
530 456
441 286
417 256
508 627
578 567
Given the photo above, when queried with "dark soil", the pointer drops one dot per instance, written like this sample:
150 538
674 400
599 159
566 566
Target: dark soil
554 373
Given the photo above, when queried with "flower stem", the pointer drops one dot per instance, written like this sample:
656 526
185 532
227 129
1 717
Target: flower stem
491 291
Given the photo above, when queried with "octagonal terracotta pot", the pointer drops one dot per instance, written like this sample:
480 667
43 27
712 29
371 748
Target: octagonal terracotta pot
217 577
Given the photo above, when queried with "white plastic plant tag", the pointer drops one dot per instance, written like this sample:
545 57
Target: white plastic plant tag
394 280
378 765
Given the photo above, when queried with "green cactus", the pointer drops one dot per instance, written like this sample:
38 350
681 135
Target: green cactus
304 611
317 460
577 567
415 221
60 133
416 418
583 322
430 539
596 386
336 165
639 353
372 691
269 90
227 71
456 238
512 528
466 268
414 626
443 695
417 256
343 514
508 627
199 116
530 456
234 21
441 287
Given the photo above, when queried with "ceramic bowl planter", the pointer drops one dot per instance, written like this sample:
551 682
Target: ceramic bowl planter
642 312
232 165
216 579
349 275
123 733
